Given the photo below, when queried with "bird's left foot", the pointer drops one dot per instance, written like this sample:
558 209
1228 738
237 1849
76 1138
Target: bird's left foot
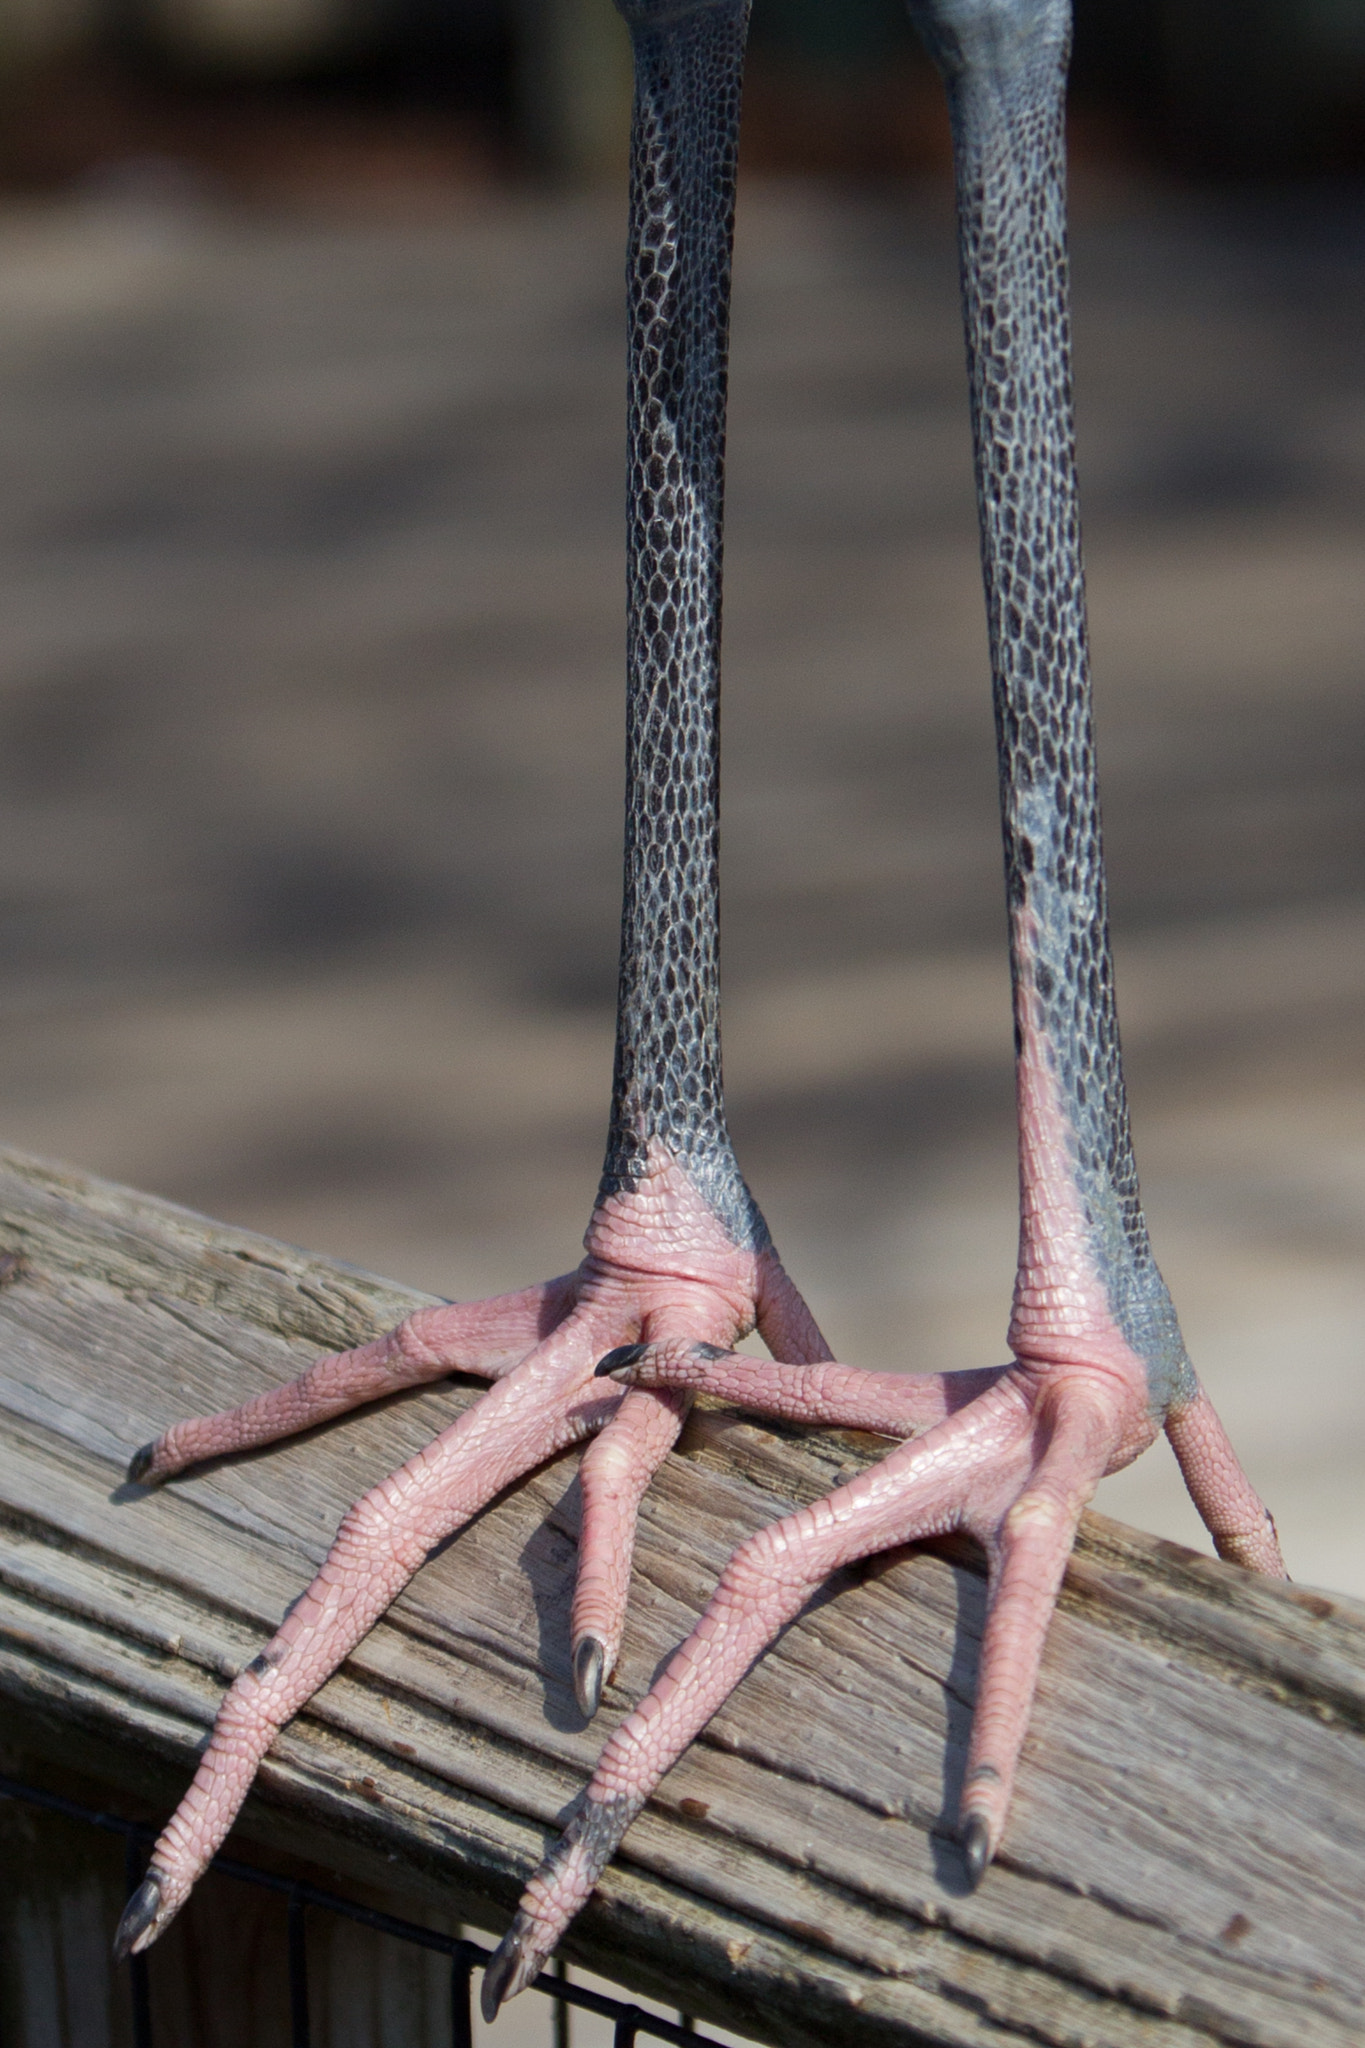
1011 1455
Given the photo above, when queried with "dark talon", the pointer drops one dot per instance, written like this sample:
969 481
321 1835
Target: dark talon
589 1671
976 1846
506 1973
138 1915
620 1360
140 1464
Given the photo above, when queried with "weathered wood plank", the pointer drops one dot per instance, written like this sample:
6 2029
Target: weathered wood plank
1186 1862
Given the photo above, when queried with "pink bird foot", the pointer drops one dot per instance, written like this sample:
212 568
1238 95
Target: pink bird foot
1011 1456
661 1269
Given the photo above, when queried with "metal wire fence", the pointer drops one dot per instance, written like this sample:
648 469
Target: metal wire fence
630 2023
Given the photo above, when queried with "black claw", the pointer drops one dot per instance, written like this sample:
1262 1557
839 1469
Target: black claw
589 1671
620 1360
503 1978
975 1836
140 1463
138 1915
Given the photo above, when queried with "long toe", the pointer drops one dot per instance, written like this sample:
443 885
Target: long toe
617 1468
827 1393
1028 1547
485 1338
1232 1511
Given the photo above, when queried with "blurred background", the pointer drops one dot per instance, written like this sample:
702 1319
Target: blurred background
311 374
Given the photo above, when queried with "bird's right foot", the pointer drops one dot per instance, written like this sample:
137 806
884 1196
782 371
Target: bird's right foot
660 1267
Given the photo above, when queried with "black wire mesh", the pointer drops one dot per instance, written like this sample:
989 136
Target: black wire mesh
630 2022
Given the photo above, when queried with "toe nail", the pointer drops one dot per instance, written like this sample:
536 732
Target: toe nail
976 1846
138 1915
620 1360
140 1464
589 1670
505 1975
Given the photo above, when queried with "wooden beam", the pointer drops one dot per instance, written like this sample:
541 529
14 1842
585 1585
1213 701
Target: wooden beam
1186 1860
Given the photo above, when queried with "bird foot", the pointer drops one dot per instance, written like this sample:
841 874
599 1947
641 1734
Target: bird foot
659 1268
1012 1456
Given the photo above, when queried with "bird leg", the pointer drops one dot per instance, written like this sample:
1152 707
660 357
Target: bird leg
676 1250
1099 1362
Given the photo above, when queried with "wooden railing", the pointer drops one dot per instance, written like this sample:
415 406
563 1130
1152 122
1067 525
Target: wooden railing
1186 1858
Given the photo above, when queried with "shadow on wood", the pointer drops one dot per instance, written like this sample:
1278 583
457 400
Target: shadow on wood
1186 1859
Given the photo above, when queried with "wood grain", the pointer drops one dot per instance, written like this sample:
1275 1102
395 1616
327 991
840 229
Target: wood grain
1186 1860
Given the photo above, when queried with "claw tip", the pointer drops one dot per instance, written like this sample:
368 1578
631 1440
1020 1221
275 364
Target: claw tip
139 1916
140 1464
589 1671
976 1846
619 1360
506 1974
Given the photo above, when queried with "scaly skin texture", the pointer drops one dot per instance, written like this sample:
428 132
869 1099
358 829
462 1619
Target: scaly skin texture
1005 69
685 132
1099 1363
676 1248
